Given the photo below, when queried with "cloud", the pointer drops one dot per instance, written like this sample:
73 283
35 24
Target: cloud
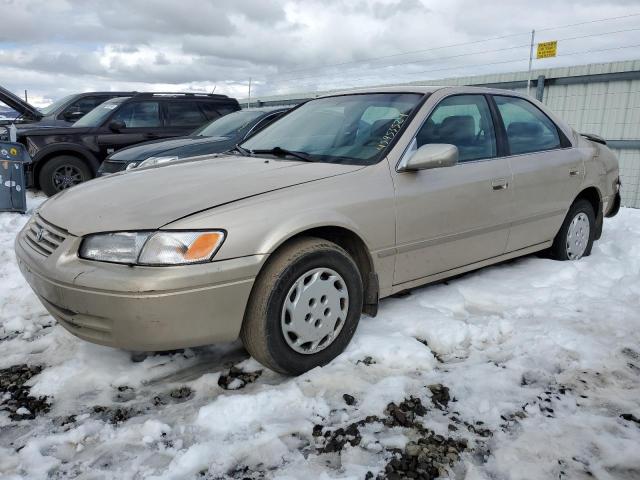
56 47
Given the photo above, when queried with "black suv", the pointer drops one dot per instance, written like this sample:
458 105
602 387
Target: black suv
63 157
61 113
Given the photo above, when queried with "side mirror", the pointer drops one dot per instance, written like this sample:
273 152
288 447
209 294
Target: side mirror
117 125
432 155
72 116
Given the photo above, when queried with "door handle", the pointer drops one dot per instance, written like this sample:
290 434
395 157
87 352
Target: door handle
499 184
150 135
573 172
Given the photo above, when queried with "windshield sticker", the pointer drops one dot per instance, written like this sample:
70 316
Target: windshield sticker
391 132
109 107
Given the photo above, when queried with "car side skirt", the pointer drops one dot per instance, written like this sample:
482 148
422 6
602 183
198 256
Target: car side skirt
464 269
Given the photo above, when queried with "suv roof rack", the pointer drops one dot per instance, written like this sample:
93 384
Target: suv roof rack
180 95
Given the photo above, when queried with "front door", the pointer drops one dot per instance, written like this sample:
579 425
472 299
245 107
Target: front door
142 122
453 216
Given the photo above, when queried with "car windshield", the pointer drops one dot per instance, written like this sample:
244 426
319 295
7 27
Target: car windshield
55 105
97 116
230 124
355 128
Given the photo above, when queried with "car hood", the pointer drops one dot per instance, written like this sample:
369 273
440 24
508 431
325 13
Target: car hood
19 105
176 147
151 198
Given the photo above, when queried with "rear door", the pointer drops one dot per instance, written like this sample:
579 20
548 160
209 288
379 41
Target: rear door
454 216
142 122
547 171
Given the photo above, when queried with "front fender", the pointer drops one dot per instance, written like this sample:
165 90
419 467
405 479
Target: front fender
300 223
67 148
361 202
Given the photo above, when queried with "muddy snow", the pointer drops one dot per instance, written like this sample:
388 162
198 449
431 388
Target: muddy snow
529 369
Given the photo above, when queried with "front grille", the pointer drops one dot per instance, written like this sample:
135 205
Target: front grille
43 237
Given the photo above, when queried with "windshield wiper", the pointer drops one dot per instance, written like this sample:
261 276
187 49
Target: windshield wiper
281 152
242 151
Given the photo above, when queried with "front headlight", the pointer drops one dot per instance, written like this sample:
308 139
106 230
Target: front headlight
155 161
152 248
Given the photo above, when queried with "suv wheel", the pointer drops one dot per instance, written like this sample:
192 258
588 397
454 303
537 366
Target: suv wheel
62 172
304 307
575 238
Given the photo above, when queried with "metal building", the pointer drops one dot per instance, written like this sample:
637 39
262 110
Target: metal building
601 98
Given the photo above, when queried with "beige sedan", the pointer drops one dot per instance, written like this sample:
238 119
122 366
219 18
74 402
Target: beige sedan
286 240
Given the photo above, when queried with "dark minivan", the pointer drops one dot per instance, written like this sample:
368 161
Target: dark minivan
64 157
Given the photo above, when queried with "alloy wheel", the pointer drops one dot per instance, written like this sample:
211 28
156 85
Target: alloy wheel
66 176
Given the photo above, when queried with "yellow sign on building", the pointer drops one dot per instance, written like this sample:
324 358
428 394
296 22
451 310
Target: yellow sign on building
547 49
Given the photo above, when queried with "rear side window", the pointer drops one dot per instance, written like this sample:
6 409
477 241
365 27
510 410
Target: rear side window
139 115
464 121
528 129
184 114
210 110
215 110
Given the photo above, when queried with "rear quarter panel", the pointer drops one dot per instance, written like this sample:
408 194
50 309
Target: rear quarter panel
601 169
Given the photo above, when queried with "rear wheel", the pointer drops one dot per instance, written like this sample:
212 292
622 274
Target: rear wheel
62 172
304 307
575 238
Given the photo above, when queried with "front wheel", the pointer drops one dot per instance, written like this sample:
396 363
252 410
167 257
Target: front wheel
304 307
62 172
575 238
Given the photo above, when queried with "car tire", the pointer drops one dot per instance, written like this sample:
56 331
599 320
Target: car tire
304 307
62 172
576 236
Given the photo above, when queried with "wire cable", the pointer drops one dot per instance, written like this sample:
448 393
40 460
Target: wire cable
503 62
429 60
371 59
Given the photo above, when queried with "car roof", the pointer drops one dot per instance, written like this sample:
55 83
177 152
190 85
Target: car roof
121 94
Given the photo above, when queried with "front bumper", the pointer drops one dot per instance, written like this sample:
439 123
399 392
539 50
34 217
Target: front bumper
140 308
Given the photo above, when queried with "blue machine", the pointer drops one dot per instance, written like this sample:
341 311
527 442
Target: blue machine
13 194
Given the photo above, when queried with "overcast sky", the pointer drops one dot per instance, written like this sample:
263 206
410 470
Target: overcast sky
57 47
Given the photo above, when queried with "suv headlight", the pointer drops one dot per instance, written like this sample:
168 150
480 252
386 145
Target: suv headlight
155 161
152 248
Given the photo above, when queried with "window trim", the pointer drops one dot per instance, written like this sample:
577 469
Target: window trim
279 113
565 143
404 157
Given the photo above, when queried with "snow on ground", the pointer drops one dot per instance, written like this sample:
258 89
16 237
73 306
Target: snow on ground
530 369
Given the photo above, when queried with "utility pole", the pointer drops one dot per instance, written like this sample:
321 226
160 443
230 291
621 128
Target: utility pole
26 98
249 98
533 40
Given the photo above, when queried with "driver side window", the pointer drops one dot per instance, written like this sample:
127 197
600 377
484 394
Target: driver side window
464 121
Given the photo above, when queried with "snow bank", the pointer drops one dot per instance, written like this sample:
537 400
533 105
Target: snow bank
541 358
